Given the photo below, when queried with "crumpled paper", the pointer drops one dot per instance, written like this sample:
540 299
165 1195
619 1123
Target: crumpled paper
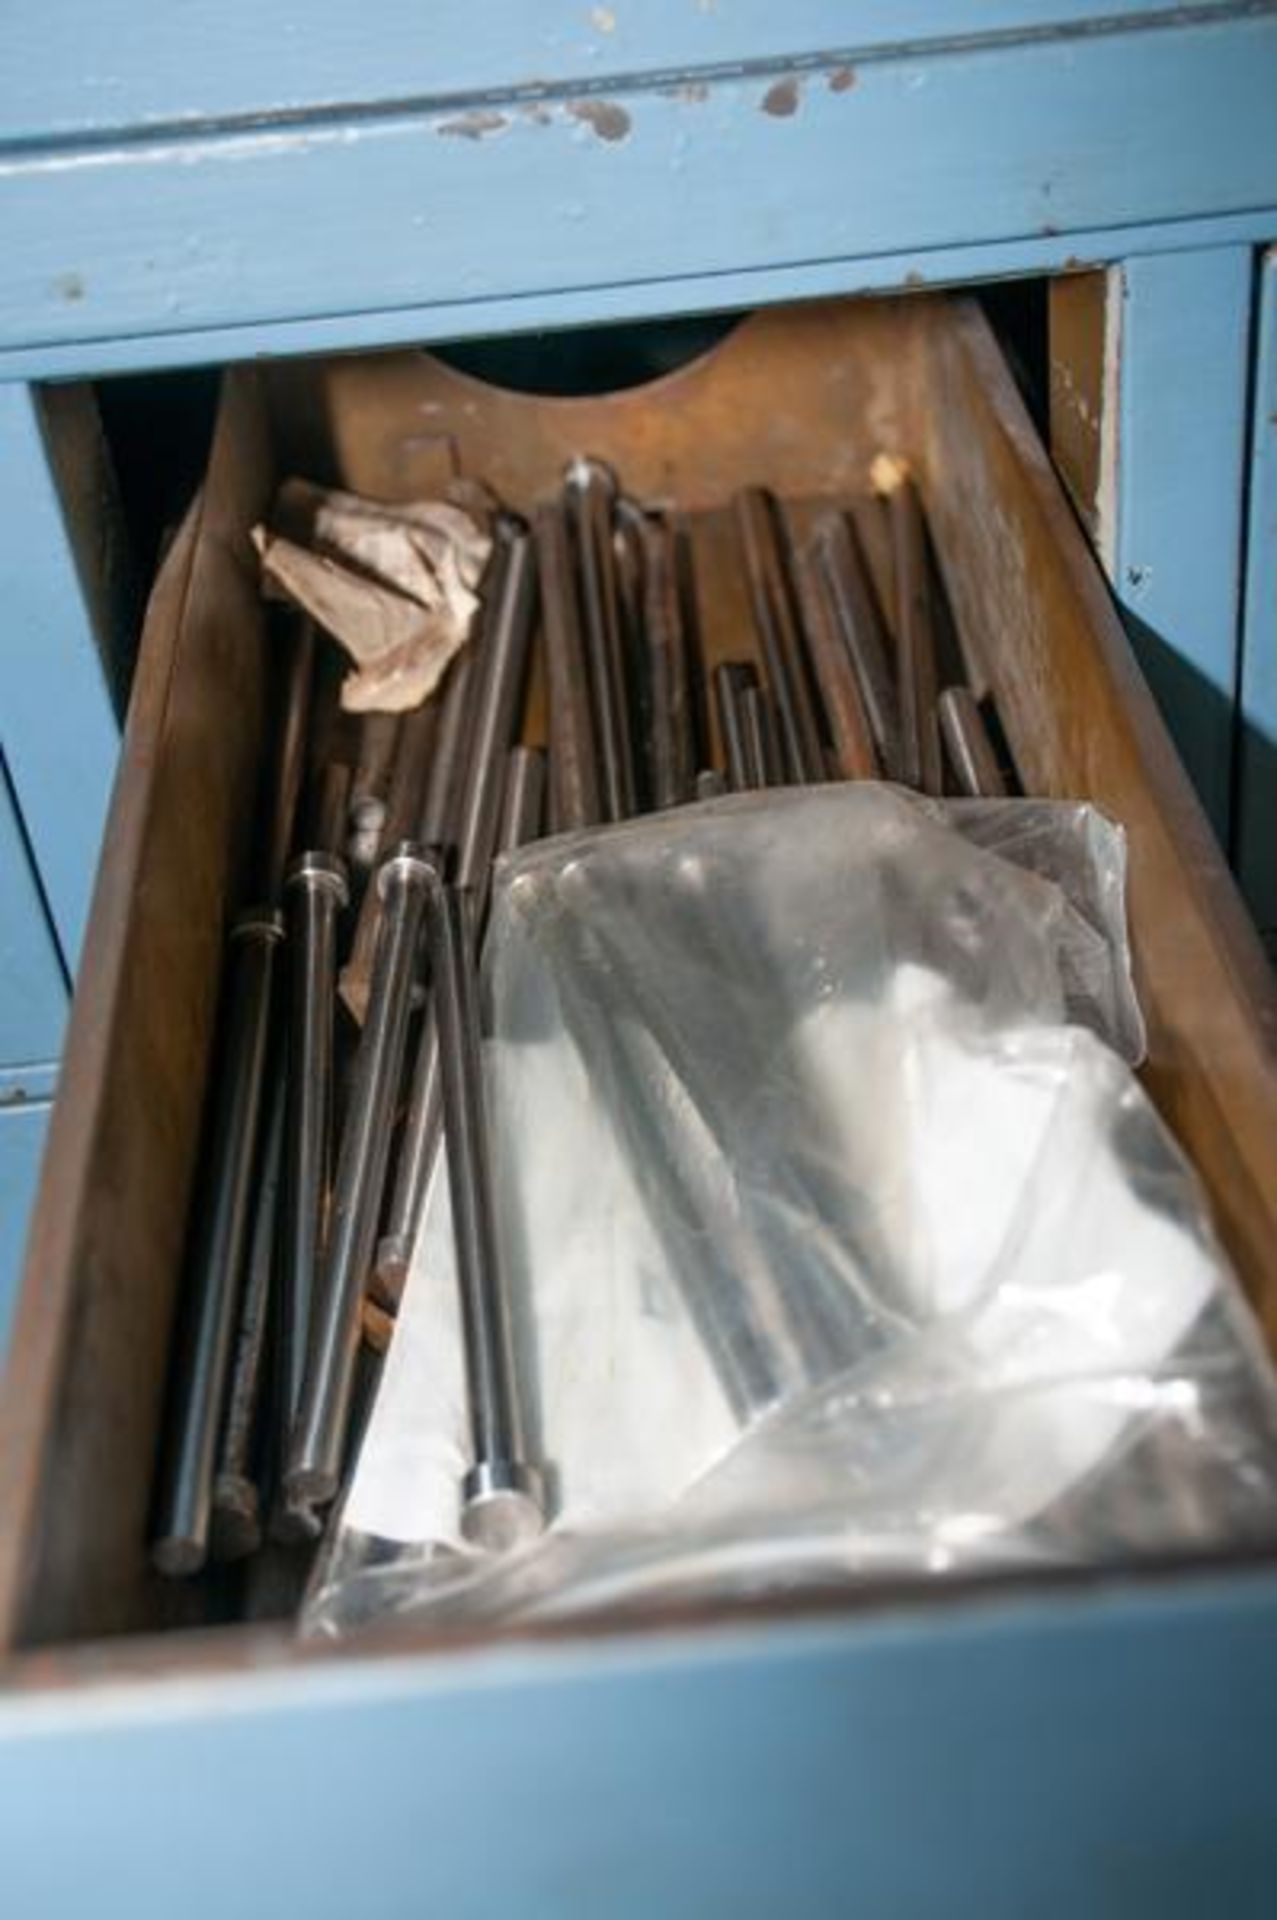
396 586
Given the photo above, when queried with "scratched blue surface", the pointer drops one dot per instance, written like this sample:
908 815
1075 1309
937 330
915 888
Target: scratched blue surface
1105 1758
1256 845
172 233
238 58
1182 425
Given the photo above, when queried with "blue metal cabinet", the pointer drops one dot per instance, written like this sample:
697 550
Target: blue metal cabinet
1101 1754
222 181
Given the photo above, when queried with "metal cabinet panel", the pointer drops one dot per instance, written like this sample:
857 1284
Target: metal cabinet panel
22 1131
1103 1755
666 175
238 60
33 989
1184 333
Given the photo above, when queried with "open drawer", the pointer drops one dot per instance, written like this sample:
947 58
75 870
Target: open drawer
799 400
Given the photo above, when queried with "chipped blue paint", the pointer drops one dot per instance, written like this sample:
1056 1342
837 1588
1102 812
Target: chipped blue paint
182 231
240 61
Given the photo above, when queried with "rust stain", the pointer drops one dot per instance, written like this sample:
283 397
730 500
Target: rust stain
474 125
69 286
781 99
842 80
538 113
608 120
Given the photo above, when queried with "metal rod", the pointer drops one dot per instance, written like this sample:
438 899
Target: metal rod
850 597
671 747
437 826
181 1532
781 632
573 756
328 807
503 1502
404 804
522 810
523 801
915 627
731 680
236 1527
498 705
317 1443
290 762
588 492
315 895
966 738
762 745
840 694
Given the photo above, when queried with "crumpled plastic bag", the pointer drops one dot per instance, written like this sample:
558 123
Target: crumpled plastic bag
841 1240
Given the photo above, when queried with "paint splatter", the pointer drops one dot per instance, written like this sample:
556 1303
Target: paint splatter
474 125
781 99
69 286
609 121
603 19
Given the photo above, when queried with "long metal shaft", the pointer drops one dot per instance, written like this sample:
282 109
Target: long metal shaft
840 694
503 673
404 803
781 632
236 1528
671 746
762 746
588 493
522 810
573 756
843 576
523 798
437 825
970 750
915 627
497 700
503 1502
290 763
181 1532
315 895
317 1443
732 680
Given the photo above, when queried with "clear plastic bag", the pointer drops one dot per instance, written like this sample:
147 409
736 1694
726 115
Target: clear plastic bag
841 1239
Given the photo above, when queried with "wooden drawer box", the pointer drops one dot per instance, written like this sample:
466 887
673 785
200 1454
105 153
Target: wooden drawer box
799 399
